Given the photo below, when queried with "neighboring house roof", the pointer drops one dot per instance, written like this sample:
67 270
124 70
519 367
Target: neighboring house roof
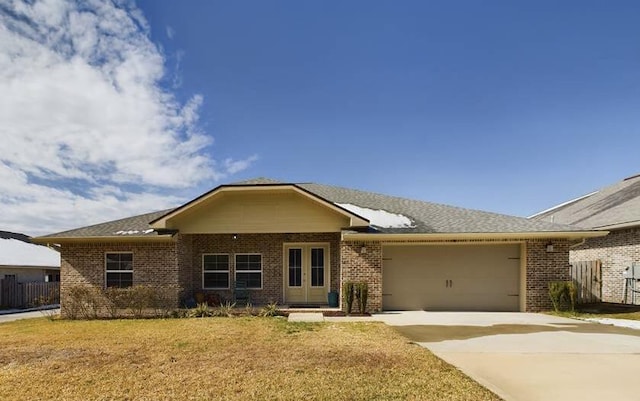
615 206
386 214
17 250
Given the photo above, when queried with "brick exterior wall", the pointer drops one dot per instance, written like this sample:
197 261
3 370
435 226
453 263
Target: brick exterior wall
270 246
358 266
184 250
543 267
617 251
178 264
154 264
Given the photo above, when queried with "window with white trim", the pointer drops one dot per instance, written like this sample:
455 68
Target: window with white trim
249 270
215 271
119 269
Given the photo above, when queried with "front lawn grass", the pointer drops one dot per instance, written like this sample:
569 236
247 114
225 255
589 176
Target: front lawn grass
222 359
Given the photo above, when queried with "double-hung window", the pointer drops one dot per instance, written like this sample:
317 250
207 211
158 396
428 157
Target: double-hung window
119 269
249 269
215 271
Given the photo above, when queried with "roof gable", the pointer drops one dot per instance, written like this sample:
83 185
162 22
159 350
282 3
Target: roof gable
258 208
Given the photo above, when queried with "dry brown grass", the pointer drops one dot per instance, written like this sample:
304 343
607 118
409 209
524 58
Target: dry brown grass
221 358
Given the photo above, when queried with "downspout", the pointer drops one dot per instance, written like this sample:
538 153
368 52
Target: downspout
578 244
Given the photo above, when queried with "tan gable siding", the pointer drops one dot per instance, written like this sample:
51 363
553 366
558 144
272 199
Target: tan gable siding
255 212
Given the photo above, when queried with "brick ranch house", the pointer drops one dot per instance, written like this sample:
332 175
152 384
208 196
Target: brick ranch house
615 208
294 243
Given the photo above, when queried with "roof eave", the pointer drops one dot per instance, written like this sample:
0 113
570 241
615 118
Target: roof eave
628 224
347 236
119 238
31 267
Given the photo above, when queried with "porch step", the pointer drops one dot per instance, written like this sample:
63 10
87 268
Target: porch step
306 317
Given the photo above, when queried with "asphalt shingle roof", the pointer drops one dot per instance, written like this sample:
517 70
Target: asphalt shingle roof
135 226
426 217
615 205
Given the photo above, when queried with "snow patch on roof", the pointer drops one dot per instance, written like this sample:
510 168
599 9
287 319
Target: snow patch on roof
134 232
127 232
380 218
14 252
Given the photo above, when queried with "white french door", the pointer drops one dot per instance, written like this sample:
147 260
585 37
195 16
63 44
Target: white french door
306 273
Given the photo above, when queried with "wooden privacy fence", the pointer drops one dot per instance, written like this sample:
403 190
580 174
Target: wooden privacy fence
23 295
587 276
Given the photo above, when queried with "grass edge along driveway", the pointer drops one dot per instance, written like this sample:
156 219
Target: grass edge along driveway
221 358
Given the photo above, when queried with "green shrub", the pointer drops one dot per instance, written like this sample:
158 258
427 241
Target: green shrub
249 310
138 298
362 294
115 301
163 302
83 302
563 295
201 310
270 310
348 295
225 309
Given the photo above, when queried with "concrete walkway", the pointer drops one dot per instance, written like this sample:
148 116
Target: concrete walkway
306 317
527 357
17 314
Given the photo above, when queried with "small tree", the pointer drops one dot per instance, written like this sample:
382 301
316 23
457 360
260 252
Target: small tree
348 295
362 295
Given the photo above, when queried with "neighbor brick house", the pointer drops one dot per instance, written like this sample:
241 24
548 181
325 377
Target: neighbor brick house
615 208
294 243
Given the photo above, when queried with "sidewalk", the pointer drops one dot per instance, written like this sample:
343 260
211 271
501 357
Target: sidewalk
9 315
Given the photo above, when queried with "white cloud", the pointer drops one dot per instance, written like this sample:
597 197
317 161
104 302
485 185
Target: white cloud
234 166
170 32
81 103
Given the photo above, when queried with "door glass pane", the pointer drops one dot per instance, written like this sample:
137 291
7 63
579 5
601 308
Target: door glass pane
295 267
317 267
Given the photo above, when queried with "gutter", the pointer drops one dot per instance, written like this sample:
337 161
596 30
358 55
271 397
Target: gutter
51 241
578 243
346 236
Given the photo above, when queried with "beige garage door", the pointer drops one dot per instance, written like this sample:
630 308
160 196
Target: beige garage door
451 277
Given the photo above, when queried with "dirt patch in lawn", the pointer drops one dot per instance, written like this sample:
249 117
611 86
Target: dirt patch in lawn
221 358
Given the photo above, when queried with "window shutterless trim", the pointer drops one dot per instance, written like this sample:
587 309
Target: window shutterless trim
236 271
228 271
106 271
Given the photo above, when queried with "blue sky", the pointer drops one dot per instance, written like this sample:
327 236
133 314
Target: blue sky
503 106
512 107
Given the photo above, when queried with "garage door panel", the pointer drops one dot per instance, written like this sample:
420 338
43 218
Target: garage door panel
453 277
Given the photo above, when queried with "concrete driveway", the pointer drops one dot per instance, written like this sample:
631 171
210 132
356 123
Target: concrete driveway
526 357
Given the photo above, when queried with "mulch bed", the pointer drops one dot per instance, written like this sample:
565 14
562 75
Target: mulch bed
341 314
606 307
